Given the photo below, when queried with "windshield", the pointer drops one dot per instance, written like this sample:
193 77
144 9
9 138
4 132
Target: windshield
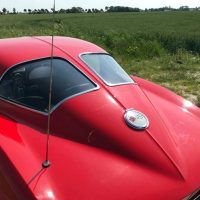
107 69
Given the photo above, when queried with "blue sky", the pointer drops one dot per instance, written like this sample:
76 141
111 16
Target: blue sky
21 4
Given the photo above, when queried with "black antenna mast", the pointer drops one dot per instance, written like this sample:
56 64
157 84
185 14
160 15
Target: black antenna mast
47 163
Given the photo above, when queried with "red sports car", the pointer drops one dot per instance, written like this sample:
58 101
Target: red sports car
112 136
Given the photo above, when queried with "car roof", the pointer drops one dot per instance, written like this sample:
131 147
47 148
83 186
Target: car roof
18 50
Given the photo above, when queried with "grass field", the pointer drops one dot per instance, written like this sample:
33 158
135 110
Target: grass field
163 47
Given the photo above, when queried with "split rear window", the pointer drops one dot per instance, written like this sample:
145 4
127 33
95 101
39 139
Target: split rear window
106 68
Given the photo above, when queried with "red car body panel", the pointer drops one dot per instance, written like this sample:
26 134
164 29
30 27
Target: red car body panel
93 153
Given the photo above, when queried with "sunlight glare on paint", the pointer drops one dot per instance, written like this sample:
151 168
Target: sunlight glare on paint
187 104
50 195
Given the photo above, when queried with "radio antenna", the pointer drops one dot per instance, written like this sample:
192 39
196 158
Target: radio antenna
47 163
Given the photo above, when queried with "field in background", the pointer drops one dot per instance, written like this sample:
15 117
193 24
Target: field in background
162 47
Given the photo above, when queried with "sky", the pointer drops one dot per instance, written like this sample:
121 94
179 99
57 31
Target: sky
20 5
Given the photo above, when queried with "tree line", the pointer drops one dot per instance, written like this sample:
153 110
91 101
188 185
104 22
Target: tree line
95 10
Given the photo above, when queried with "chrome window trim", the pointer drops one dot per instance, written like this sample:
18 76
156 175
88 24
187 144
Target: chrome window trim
97 87
194 196
108 84
78 94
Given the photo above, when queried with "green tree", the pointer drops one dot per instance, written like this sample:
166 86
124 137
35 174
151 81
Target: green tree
4 10
14 11
89 11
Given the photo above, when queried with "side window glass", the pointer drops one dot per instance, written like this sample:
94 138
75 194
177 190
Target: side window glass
20 87
68 81
28 84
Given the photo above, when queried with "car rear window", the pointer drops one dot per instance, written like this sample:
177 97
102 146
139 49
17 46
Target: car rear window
106 68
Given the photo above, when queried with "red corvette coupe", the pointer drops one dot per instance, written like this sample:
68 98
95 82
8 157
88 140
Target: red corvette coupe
112 136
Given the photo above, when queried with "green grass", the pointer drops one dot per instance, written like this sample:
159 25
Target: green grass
162 47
